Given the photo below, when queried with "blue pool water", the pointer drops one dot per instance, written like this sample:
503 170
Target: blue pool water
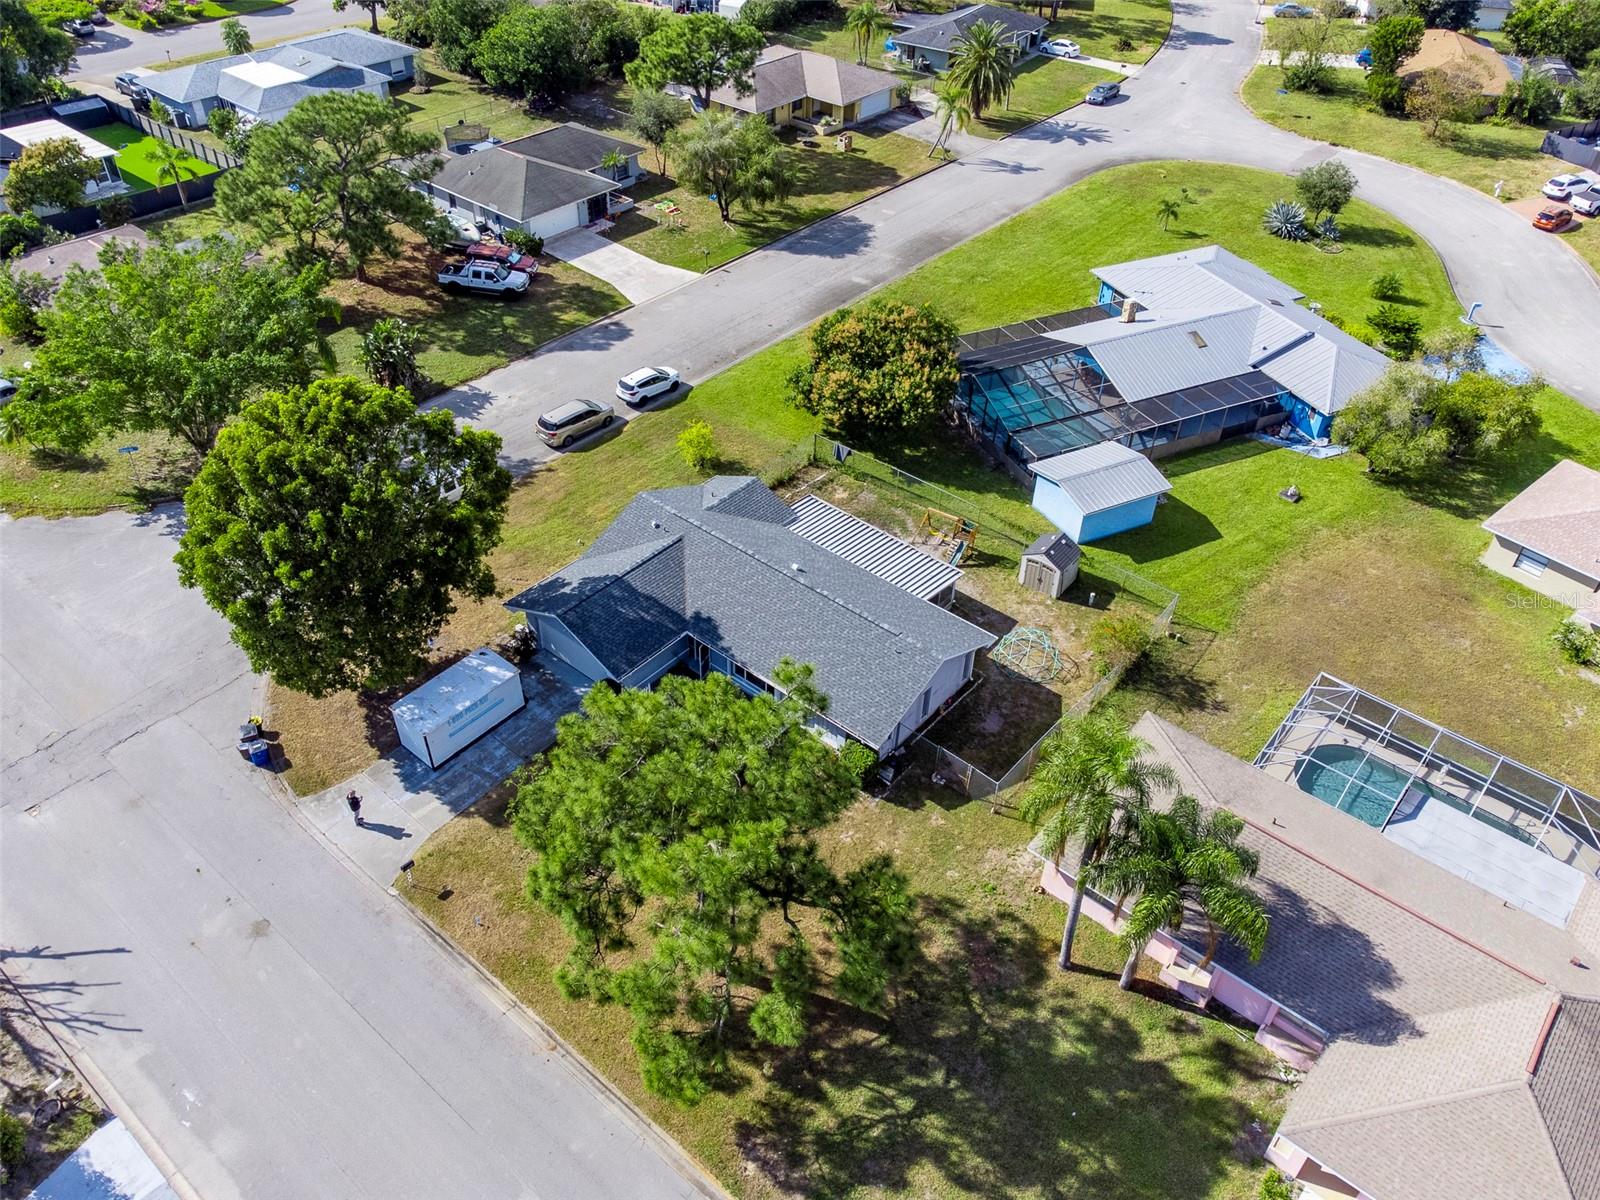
1366 790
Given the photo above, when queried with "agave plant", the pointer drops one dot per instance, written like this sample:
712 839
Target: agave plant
1287 220
1328 229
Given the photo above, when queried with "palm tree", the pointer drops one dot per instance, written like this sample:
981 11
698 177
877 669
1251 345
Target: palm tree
980 61
1180 862
1092 786
954 112
868 22
1167 211
173 163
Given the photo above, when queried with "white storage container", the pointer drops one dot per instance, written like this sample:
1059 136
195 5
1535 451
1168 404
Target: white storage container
457 706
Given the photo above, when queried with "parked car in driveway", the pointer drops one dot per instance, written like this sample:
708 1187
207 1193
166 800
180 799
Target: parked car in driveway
645 384
1587 201
1104 93
99 18
487 278
496 252
1559 187
1292 10
1061 48
128 84
79 27
562 426
1553 218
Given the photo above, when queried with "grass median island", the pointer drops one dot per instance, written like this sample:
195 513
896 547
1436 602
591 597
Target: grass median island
999 1076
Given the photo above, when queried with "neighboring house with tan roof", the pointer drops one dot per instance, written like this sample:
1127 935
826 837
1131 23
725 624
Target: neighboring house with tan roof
1417 1001
54 261
1547 538
802 85
1448 49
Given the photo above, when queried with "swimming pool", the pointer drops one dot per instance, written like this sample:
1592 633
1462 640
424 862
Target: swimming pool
1366 790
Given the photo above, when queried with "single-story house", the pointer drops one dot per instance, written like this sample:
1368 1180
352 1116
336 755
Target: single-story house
1097 491
1450 1039
1547 537
719 577
107 179
265 84
1181 350
926 40
54 261
545 183
803 85
1446 48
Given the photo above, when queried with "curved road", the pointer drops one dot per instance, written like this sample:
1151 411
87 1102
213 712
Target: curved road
1541 302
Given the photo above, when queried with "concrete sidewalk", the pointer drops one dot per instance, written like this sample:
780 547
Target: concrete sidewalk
403 800
631 273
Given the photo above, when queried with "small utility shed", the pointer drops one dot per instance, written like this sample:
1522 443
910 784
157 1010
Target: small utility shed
1049 565
457 706
1097 491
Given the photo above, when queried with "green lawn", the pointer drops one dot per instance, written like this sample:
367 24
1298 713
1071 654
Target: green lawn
1106 28
998 1076
193 14
828 179
131 470
451 99
1043 87
135 156
1477 155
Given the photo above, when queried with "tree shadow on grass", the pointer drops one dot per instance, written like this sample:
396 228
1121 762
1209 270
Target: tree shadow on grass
1475 489
1372 235
998 1076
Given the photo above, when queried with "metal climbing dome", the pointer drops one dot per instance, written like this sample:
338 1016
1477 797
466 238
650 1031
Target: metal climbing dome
1029 652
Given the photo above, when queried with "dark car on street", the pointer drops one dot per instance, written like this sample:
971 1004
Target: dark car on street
1104 93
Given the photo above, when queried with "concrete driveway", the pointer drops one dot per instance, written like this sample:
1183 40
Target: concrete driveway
631 273
271 1024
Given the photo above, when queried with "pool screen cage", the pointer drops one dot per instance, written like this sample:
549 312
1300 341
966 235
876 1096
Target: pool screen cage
1506 795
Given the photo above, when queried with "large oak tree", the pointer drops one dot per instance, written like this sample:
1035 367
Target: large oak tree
334 525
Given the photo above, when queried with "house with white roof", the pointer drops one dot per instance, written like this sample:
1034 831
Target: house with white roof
265 84
107 179
1179 351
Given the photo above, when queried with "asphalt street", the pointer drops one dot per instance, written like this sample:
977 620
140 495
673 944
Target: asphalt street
1540 301
116 48
273 1024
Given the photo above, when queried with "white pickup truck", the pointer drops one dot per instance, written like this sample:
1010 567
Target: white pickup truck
489 278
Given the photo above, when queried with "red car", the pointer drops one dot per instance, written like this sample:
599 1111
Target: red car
1553 218
504 255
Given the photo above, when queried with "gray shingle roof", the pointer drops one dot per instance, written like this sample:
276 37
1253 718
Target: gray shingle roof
573 146
942 31
1558 516
516 186
721 563
1057 549
1566 1087
199 81
359 46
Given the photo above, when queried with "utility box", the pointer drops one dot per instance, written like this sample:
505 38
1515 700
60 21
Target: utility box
457 706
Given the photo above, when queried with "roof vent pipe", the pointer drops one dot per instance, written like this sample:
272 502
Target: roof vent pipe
1130 306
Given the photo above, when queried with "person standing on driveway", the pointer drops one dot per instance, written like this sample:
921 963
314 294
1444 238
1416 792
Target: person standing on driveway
354 801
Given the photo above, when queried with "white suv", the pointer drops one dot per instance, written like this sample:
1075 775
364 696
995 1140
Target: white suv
1561 186
646 384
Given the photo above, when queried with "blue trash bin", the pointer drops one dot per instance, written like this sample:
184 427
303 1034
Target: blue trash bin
261 754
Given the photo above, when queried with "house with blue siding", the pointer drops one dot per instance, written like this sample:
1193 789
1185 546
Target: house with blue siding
1098 491
1178 351
726 577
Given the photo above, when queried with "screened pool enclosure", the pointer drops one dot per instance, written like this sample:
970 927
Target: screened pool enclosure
1508 828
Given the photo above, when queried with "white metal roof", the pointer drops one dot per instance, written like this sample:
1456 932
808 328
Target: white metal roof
1160 352
870 548
454 689
50 129
1103 476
